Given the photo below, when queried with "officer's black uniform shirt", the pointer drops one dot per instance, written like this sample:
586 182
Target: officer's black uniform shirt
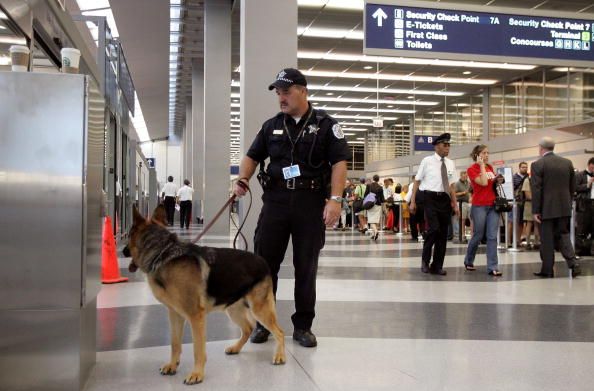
321 133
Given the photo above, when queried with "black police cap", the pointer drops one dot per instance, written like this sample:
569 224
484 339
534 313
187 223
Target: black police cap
288 77
442 138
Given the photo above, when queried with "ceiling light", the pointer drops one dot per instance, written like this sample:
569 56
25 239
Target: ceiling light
370 110
408 61
334 4
235 100
374 101
2 28
386 76
358 120
360 138
390 106
84 5
330 33
13 40
355 142
360 117
466 73
330 93
314 87
410 97
367 67
175 12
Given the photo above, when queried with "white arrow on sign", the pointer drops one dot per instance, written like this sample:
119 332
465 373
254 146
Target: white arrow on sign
380 15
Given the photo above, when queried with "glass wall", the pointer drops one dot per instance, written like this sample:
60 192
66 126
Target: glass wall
546 98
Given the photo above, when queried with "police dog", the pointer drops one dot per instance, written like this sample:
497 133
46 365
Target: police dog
193 280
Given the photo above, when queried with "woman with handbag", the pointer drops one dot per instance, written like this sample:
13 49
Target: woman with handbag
484 215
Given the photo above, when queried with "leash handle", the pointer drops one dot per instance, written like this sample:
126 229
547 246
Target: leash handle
220 212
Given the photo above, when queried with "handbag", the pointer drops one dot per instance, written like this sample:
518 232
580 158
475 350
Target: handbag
369 201
501 203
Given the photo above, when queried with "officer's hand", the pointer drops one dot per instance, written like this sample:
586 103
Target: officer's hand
412 208
331 212
240 190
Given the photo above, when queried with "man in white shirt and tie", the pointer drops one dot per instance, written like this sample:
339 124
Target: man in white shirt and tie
434 177
169 194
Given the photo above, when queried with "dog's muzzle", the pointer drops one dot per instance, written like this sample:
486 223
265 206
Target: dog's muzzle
132 267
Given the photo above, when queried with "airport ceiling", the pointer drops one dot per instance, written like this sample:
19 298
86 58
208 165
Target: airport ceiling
320 57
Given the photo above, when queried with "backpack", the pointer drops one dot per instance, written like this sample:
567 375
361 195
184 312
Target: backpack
369 201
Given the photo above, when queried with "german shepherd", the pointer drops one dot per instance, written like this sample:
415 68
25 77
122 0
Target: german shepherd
193 280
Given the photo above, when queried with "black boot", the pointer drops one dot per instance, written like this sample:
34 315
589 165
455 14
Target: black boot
305 338
260 335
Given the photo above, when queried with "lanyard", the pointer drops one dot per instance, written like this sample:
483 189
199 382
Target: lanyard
294 143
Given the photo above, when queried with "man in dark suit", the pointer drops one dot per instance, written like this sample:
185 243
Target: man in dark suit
553 186
585 209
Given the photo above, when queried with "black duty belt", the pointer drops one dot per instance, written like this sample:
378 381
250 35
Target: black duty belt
299 184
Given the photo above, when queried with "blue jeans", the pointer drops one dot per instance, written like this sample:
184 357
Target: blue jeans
483 217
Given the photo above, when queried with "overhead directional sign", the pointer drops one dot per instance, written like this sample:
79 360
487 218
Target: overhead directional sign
424 143
439 30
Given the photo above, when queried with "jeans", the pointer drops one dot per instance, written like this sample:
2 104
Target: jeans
483 216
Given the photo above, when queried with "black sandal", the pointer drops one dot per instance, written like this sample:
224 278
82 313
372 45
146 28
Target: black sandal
470 268
495 273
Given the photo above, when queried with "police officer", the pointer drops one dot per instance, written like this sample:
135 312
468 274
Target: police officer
308 154
433 179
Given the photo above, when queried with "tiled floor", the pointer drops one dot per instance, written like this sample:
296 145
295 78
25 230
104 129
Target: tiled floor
381 325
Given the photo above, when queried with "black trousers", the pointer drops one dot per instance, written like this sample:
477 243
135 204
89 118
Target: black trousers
554 233
585 219
169 209
438 214
295 214
185 213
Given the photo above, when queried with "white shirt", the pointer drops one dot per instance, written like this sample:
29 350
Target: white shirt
429 173
388 192
170 189
185 193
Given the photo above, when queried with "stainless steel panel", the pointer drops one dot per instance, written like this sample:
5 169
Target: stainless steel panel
41 201
93 182
40 350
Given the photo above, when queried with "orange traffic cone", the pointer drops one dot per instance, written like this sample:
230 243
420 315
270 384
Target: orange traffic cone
110 270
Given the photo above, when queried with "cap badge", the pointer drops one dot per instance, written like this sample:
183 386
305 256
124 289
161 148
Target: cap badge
281 75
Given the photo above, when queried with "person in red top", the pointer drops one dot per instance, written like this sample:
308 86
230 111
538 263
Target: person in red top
482 178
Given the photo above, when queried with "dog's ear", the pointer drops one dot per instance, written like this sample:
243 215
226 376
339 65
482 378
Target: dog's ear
138 218
159 215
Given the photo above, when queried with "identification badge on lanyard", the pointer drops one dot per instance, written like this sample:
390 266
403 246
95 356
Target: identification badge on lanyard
291 171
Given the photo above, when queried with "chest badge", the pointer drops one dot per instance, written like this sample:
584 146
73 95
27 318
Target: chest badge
313 129
337 130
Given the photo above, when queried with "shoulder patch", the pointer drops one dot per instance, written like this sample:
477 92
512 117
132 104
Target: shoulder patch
337 130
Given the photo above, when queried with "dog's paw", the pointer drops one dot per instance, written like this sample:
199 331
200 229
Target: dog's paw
279 359
168 369
194 378
233 349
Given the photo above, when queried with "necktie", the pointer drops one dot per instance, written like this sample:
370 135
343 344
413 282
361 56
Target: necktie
444 177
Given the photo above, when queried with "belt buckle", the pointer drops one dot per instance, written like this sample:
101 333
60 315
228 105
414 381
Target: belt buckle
291 184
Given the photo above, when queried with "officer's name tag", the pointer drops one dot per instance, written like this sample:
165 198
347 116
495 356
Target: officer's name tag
291 171
277 131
